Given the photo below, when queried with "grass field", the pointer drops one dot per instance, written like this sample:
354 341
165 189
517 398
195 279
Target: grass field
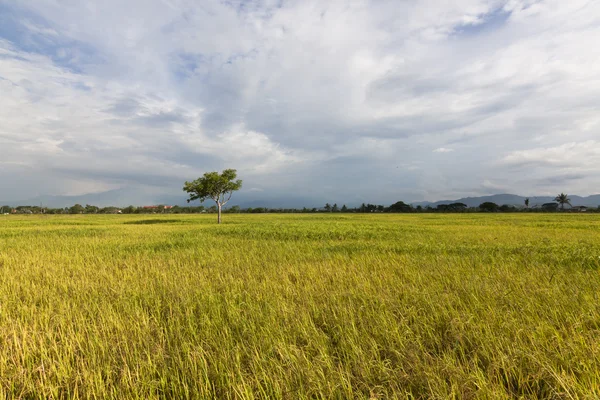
300 306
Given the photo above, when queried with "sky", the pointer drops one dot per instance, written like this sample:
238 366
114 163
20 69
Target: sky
343 101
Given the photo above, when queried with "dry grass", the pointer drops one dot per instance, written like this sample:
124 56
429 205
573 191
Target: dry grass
300 306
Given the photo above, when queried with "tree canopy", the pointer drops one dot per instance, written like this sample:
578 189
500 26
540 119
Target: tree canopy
215 186
563 199
488 206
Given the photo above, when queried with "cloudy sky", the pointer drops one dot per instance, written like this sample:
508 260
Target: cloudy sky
337 100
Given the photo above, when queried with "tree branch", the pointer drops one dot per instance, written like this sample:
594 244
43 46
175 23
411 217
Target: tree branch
229 198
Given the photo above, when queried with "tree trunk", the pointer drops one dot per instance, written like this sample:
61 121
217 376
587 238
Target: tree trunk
219 217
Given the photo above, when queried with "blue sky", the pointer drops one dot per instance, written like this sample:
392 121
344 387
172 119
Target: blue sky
341 101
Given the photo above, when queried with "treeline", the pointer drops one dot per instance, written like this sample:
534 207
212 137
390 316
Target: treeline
398 207
401 207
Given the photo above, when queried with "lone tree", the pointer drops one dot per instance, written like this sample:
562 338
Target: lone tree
215 186
527 202
563 199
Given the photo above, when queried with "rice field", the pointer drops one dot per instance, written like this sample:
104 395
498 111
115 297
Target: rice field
338 306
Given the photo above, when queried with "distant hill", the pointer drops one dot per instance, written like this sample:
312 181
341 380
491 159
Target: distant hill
515 200
139 197
136 197
118 197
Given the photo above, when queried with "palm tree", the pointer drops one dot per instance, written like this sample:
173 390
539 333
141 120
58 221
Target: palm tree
563 199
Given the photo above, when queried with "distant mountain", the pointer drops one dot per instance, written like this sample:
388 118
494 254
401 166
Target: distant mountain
515 200
118 197
137 197
140 197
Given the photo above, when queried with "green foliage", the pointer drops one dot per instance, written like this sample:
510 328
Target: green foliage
400 206
507 208
213 185
454 207
77 209
488 206
563 199
549 206
91 209
234 209
300 306
129 210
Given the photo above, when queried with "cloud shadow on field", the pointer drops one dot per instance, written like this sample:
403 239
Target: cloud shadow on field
152 222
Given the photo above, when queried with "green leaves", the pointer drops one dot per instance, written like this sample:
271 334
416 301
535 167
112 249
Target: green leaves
563 199
213 185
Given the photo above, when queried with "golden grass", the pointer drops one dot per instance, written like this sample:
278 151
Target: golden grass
300 306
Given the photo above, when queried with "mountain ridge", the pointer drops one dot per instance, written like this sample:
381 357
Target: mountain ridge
125 197
514 200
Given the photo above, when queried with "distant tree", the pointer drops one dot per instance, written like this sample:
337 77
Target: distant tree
371 207
563 199
399 207
110 210
344 208
488 206
327 207
506 208
91 209
76 209
363 208
527 202
129 210
457 206
453 207
234 209
549 206
335 208
215 186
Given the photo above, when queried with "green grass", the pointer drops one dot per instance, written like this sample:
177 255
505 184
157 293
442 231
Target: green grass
300 306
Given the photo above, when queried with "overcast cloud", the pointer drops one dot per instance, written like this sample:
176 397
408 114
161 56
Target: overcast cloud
341 101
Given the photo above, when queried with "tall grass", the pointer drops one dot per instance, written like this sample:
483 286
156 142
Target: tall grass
300 306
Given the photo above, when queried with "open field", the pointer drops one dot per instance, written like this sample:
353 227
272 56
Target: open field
300 306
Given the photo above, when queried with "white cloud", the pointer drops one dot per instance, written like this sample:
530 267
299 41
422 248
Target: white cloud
580 155
300 93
